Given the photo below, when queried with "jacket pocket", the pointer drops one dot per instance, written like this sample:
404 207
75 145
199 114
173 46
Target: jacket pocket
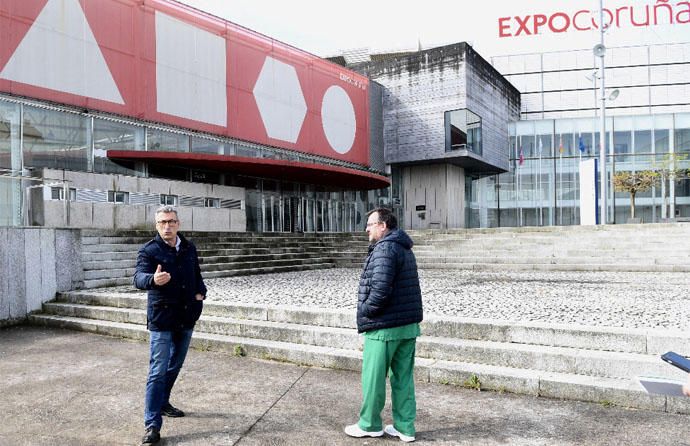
161 315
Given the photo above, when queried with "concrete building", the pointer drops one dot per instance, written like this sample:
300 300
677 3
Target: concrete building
446 113
102 120
111 108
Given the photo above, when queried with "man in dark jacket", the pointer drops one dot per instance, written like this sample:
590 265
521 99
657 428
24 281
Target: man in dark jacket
168 267
389 310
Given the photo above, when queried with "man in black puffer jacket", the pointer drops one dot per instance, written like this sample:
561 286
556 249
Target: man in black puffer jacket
168 267
389 311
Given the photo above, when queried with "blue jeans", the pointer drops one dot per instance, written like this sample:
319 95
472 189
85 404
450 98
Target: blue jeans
168 350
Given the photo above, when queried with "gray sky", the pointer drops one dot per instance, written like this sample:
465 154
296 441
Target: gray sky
326 28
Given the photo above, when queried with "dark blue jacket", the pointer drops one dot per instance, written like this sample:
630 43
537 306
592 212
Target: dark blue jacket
172 306
389 294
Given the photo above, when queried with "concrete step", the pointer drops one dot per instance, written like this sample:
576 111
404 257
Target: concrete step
554 267
535 357
122 276
263 250
109 265
109 282
257 264
118 247
535 259
251 328
267 270
112 247
608 246
642 341
112 273
108 256
556 385
208 263
263 257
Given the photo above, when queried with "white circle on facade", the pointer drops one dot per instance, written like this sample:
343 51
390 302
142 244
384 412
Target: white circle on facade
338 119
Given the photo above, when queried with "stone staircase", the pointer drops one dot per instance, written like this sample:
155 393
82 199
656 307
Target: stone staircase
581 363
649 247
109 258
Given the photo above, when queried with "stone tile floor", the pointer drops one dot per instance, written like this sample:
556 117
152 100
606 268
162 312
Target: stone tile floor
604 299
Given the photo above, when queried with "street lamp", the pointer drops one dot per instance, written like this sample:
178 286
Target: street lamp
599 51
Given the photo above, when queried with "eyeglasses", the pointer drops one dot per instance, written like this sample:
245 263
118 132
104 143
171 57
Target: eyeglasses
374 223
167 222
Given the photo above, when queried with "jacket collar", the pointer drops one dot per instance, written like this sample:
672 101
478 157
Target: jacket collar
183 241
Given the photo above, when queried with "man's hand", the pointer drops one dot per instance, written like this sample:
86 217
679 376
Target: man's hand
160 277
199 296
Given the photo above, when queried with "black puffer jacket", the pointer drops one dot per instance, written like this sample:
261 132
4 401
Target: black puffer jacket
172 306
389 293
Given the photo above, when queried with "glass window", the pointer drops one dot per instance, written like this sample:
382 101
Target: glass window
642 135
204 176
10 150
682 136
168 172
205 145
118 197
55 139
463 131
58 193
169 200
161 140
212 202
250 152
661 139
109 135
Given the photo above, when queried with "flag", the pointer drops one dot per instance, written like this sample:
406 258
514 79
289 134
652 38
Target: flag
560 145
521 159
581 145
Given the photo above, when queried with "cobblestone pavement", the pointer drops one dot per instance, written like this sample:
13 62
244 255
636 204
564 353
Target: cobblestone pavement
630 300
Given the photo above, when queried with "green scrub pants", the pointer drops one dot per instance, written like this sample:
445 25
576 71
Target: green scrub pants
379 357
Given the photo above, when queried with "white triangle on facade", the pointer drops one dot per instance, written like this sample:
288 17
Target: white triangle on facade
60 52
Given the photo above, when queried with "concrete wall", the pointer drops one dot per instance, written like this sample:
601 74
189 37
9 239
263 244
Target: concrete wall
498 103
440 188
419 88
84 214
376 157
36 263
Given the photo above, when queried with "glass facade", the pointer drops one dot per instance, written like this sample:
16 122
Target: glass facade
543 185
33 136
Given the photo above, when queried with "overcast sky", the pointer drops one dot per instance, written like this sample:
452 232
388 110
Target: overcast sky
326 28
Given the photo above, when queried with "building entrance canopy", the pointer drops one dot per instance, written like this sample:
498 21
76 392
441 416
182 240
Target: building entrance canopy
285 170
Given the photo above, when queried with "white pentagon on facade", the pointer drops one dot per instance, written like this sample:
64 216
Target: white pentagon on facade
280 99
338 119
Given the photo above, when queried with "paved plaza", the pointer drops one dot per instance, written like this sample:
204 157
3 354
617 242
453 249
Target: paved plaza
603 299
68 388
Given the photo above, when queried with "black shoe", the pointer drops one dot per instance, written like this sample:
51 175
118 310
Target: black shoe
173 412
152 436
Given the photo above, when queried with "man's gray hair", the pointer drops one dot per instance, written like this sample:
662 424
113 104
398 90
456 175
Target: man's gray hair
166 209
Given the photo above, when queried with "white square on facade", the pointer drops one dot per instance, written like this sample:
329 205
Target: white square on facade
190 72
